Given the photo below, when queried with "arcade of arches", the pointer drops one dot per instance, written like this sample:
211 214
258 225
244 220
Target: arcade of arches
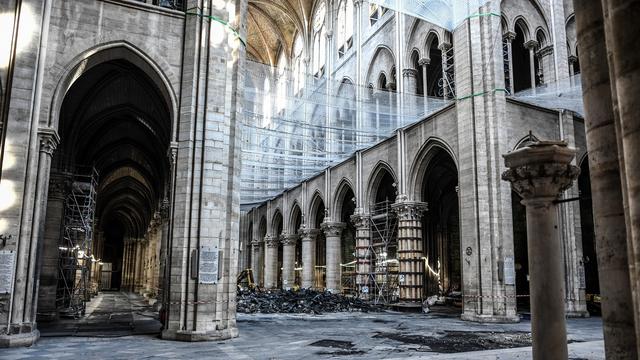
123 124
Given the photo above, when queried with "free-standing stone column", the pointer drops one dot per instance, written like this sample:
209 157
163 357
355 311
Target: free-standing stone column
606 190
410 252
508 38
363 259
271 262
308 255
539 173
288 260
255 261
333 233
532 45
444 47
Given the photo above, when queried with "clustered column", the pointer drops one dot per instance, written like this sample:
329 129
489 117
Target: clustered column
308 256
271 262
288 260
410 250
333 234
539 173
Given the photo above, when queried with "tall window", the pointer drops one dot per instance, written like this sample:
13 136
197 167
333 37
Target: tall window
298 69
319 39
281 78
345 26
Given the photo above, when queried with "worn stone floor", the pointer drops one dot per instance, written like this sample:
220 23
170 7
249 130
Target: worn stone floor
121 326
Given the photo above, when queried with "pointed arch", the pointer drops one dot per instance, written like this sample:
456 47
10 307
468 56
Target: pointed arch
295 217
316 208
417 171
344 186
375 178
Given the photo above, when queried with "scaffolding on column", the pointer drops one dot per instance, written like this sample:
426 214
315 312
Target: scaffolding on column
75 252
382 254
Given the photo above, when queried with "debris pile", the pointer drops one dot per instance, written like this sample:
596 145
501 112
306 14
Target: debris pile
298 302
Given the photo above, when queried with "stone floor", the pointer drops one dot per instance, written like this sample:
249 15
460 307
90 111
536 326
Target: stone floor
121 326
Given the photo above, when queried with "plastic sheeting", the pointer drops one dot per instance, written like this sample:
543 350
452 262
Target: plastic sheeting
444 13
296 125
559 95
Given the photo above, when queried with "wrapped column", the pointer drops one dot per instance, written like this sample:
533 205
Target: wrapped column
308 255
288 260
271 262
363 256
411 276
333 233
539 173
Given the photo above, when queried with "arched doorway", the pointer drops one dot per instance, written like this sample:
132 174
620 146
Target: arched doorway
589 257
317 217
107 217
345 208
296 223
277 232
441 226
521 252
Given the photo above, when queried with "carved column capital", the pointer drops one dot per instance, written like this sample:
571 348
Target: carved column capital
360 221
409 210
509 36
289 239
410 73
308 234
271 241
59 185
444 46
573 59
424 62
541 171
256 244
49 140
332 229
531 44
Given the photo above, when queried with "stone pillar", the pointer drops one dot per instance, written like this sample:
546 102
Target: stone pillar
410 252
289 260
539 173
333 233
308 255
572 71
363 254
531 45
411 88
606 179
49 255
271 262
255 261
508 38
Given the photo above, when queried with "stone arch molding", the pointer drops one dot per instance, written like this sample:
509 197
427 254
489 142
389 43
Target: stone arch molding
117 50
422 161
317 196
375 177
338 197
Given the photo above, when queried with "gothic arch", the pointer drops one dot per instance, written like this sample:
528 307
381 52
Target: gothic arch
339 197
421 163
375 179
314 208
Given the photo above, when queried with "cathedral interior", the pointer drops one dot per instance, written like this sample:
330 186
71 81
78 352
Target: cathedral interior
172 167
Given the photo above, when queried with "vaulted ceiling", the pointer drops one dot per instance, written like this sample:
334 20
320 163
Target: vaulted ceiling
272 26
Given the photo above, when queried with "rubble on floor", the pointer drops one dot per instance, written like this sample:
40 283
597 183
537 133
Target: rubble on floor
298 302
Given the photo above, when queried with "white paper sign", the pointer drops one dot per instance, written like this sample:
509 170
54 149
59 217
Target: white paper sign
208 265
7 268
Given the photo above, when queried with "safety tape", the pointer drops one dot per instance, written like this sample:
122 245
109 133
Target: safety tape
495 296
219 20
480 94
198 302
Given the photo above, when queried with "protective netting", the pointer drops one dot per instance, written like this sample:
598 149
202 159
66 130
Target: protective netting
444 13
290 135
565 94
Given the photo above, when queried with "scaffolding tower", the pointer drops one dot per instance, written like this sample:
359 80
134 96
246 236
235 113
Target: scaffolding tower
382 254
74 252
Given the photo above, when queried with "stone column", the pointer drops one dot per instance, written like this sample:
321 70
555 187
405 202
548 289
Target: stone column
271 262
288 260
255 261
308 255
410 90
363 254
410 253
333 233
572 71
539 173
606 179
508 38
531 45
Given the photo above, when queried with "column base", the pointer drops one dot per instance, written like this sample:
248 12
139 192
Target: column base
197 336
490 318
17 340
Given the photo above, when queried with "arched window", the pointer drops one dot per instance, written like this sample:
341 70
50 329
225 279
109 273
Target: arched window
298 69
345 26
319 39
281 78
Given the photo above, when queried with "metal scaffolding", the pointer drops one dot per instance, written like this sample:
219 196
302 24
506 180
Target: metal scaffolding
382 254
74 252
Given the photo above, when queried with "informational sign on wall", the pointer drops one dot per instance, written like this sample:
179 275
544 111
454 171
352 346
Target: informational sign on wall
509 271
208 265
7 268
